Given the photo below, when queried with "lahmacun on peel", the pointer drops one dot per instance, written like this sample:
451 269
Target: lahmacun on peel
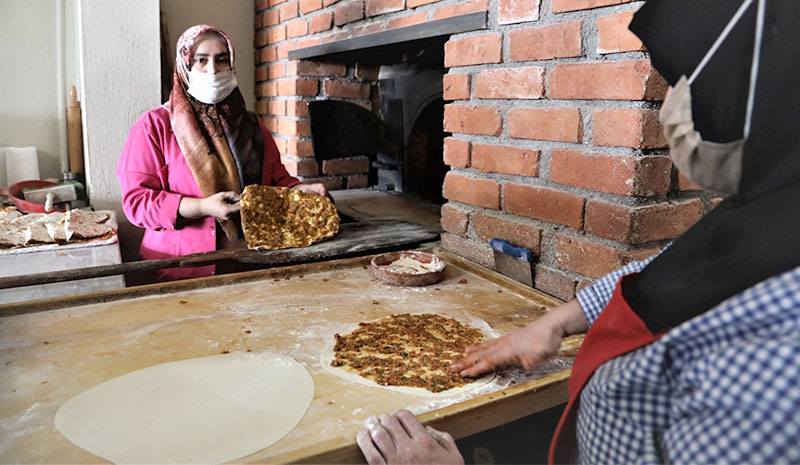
279 217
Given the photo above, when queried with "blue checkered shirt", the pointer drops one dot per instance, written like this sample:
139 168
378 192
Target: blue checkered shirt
723 387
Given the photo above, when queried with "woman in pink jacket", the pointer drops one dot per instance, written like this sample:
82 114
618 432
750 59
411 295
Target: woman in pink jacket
185 162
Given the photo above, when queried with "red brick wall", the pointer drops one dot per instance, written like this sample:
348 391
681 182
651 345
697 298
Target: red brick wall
284 87
555 139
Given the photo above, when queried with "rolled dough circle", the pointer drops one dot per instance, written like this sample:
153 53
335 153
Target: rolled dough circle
203 410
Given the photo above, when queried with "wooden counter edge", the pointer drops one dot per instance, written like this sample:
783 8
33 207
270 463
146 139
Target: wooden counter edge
159 289
480 413
55 303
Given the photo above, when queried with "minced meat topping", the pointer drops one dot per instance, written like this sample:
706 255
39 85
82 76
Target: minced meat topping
278 217
407 350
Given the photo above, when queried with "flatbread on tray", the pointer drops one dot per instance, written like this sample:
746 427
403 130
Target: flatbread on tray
85 225
18 230
37 232
279 217
9 213
11 235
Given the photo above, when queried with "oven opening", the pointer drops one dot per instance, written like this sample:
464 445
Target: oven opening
403 139
398 137
424 163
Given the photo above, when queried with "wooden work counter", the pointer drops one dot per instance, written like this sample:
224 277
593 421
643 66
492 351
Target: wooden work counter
51 350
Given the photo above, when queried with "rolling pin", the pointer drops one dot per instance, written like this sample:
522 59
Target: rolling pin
74 134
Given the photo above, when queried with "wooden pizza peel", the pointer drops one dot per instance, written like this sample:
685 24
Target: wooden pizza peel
352 239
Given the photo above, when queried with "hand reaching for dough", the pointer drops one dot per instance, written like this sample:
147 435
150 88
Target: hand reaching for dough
526 347
316 188
220 206
402 439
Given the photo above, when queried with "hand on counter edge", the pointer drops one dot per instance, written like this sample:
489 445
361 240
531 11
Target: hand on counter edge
402 439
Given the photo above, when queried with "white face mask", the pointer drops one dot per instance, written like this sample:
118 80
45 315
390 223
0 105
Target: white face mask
211 88
711 165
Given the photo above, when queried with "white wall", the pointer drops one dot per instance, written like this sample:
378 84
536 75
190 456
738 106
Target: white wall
235 17
38 58
120 56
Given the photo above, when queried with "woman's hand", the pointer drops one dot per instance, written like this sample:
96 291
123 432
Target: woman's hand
220 205
316 188
528 346
401 438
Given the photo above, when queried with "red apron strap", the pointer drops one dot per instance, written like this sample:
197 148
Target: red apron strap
617 331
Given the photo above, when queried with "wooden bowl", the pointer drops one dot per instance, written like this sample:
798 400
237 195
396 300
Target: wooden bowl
382 269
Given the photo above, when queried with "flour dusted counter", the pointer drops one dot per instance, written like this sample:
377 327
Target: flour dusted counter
51 350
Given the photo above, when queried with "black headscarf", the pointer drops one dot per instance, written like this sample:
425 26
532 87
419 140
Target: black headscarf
754 234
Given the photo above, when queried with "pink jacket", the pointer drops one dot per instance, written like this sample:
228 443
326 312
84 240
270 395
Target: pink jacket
154 176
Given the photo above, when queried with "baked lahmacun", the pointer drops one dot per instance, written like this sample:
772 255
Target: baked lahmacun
278 217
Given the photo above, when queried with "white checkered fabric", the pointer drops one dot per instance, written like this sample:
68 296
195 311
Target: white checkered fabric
723 387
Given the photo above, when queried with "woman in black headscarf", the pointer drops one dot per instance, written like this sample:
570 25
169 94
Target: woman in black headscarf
693 356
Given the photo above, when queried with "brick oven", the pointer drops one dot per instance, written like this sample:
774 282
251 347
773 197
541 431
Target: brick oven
549 120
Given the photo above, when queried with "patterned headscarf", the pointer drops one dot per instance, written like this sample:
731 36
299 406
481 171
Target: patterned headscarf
222 143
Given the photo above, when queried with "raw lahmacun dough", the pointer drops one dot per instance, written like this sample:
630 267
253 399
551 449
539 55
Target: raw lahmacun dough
409 353
203 410
279 217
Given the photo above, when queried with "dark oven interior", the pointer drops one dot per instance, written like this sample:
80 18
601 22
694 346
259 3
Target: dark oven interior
403 135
